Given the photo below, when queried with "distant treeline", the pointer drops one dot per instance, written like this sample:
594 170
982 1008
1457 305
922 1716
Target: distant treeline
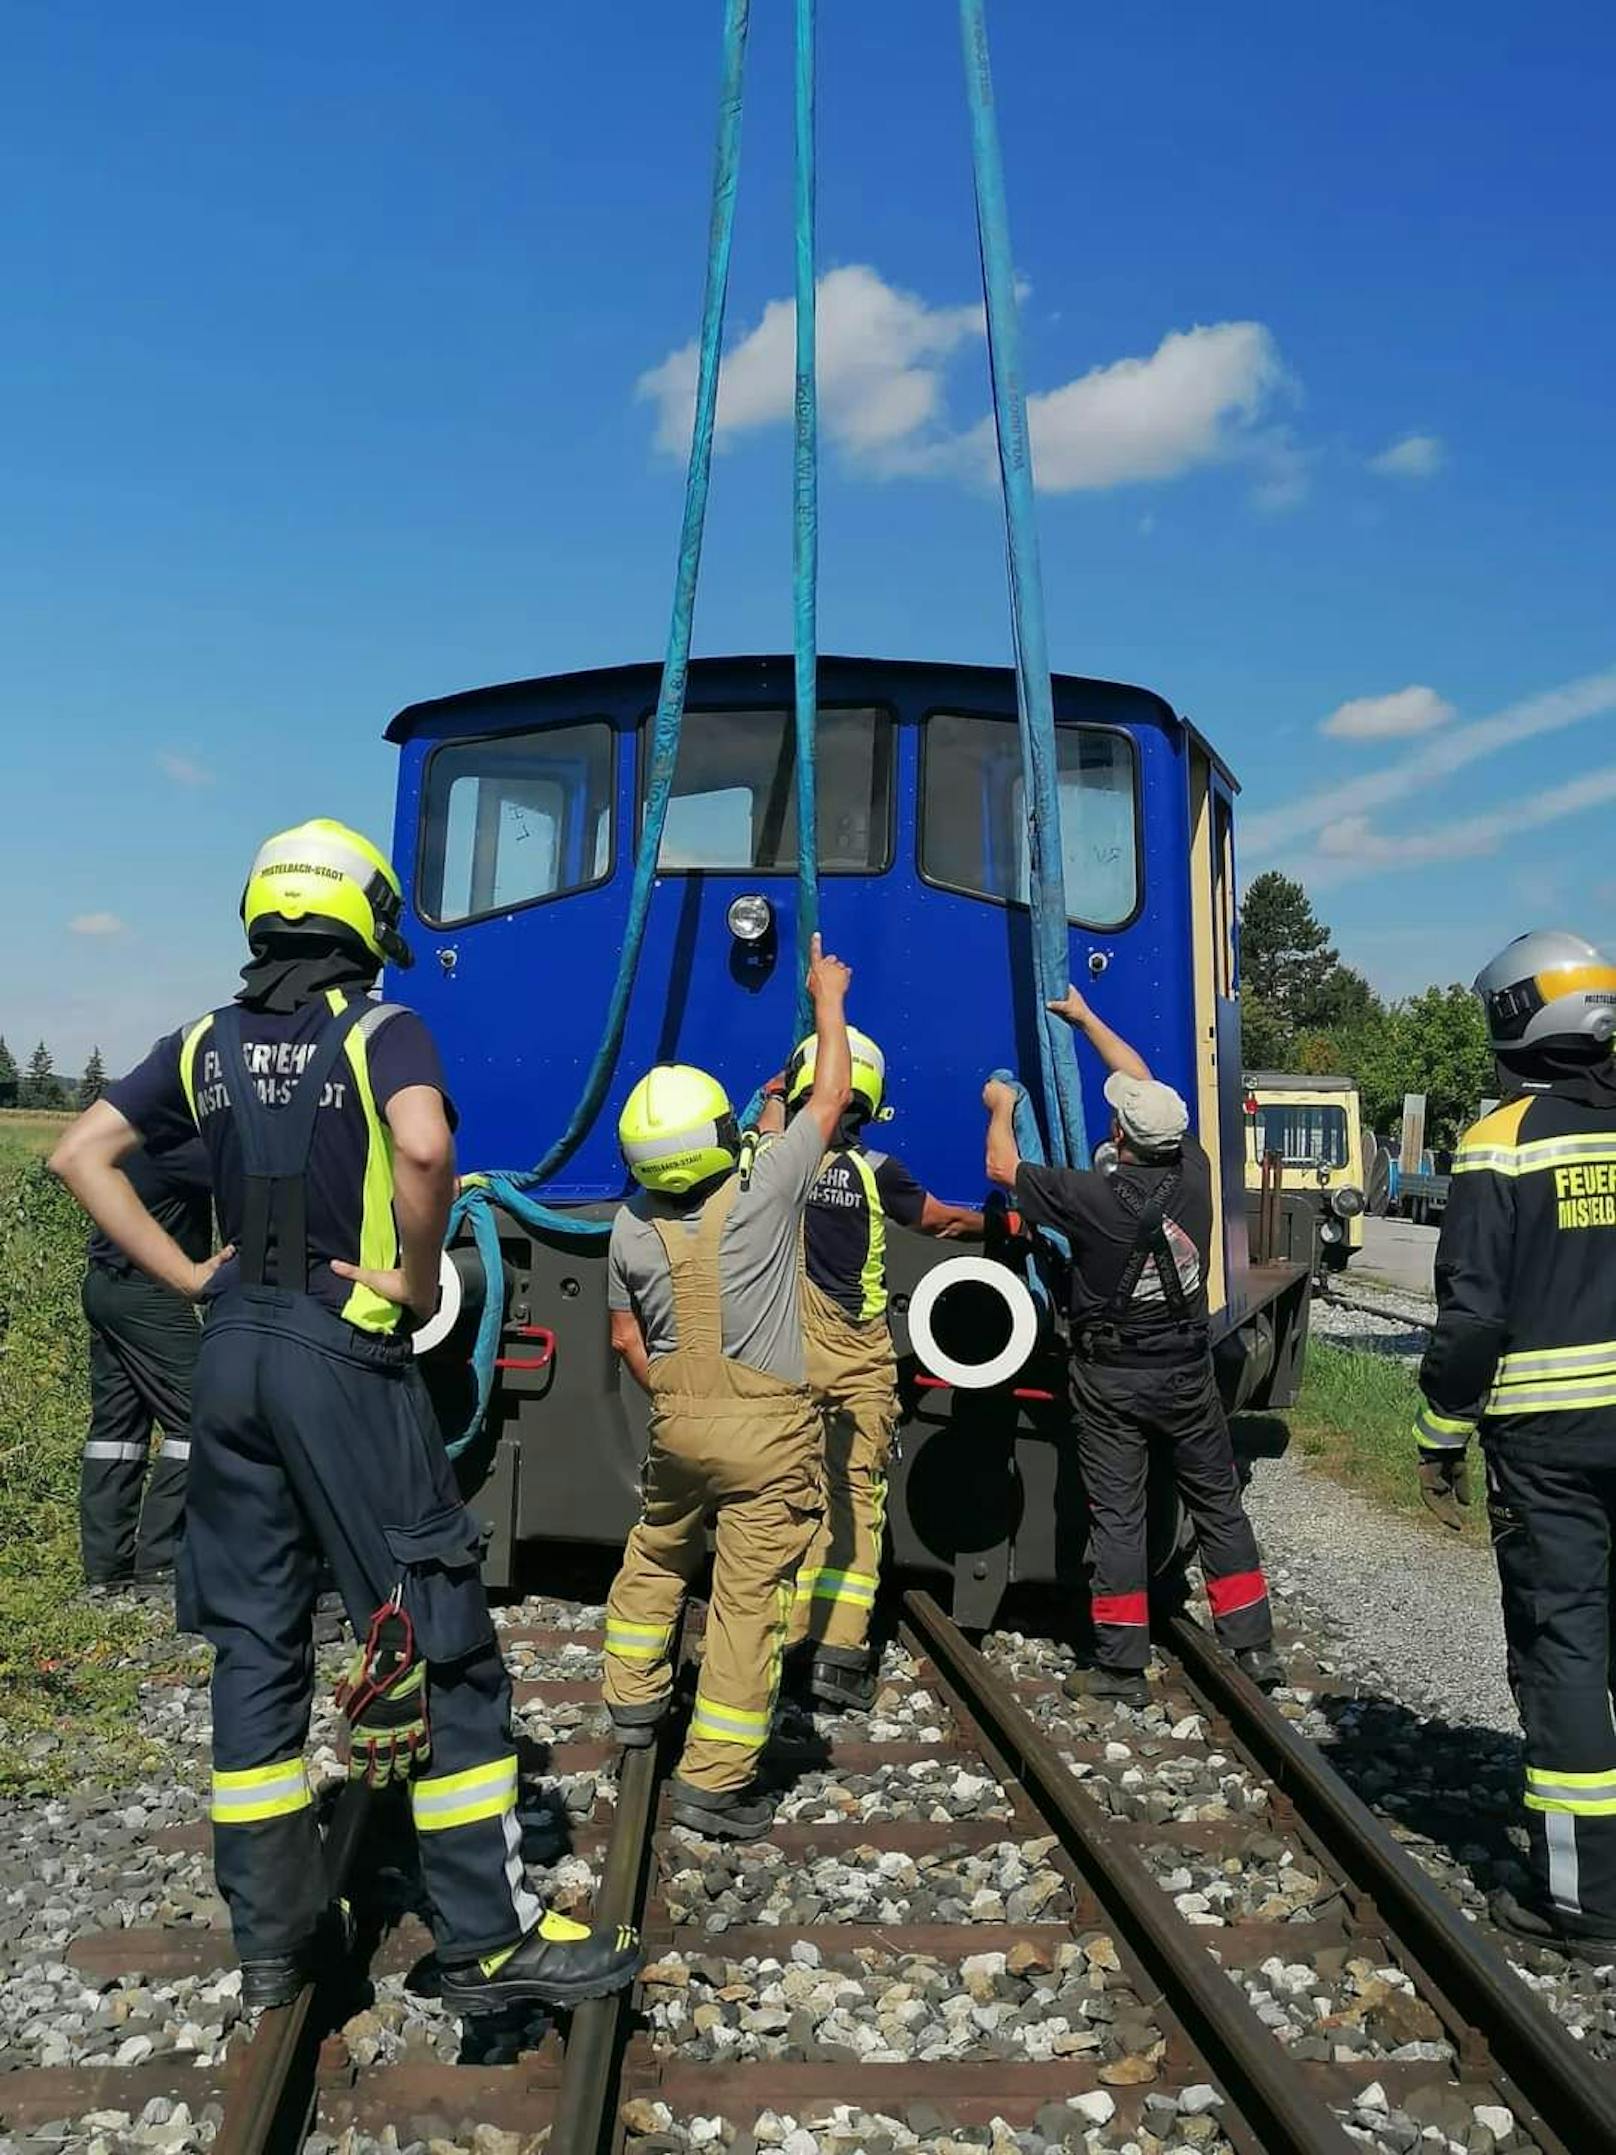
39 1085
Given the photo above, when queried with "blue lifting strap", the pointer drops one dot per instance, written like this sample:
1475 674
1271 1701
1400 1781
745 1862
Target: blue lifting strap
1063 1099
805 522
512 1192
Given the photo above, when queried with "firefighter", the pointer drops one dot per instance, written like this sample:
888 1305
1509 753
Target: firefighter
1524 1353
704 1288
1141 1364
851 1365
143 1343
328 1133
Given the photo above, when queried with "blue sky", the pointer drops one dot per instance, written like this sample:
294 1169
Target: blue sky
341 369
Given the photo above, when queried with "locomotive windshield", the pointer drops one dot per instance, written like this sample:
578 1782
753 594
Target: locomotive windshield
1303 1136
973 827
734 800
514 818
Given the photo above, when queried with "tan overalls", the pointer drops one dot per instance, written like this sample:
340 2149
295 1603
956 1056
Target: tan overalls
734 1443
853 1373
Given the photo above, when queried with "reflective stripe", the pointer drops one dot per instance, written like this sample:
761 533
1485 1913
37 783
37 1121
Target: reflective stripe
188 1048
1441 1432
1534 1158
240 1798
1560 1833
873 1273
1562 1398
175 1448
1120 1608
462 1799
807 1580
1586 1795
1596 1359
106 1448
728 1724
1238 1590
857 1587
637 1642
378 1232
526 1907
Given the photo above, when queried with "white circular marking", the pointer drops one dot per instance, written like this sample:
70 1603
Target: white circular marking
981 1271
451 1295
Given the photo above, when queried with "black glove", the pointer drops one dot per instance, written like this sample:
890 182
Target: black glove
1445 1486
384 1698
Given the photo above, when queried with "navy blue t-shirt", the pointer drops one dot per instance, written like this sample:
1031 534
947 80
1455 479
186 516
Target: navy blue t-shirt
837 1223
400 1052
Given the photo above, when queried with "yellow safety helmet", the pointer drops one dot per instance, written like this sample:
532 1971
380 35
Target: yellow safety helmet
677 1130
322 870
869 1071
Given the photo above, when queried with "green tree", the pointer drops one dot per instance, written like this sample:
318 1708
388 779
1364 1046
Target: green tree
41 1087
1264 1042
93 1082
1286 956
1446 1057
8 1076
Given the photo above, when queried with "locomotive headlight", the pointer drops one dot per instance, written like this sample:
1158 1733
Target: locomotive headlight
750 917
1347 1203
1331 1231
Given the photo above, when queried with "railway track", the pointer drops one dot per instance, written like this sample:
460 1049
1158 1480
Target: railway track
973 1908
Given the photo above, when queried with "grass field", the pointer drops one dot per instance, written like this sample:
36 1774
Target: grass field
69 1683
1354 1422
28 1134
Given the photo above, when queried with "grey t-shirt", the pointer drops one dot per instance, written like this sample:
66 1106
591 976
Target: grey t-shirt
759 1259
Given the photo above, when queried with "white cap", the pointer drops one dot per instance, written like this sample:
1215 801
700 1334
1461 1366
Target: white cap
1152 1115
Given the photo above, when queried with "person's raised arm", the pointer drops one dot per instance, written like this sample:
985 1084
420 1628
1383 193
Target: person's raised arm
828 980
423 1191
1111 1048
1004 1155
87 1158
948 1222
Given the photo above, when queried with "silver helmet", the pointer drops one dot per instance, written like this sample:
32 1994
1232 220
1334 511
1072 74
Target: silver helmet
1547 986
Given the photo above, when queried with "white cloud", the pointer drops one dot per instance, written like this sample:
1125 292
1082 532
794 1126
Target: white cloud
1415 456
1384 718
184 770
96 924
882 352
1409 780
1193 401
1355 846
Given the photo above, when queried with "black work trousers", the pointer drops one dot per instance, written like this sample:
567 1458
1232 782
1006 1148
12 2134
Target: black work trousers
143 1348
1122 1415
313 1439
1551 1496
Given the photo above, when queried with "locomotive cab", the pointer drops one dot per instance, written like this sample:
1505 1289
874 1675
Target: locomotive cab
518 822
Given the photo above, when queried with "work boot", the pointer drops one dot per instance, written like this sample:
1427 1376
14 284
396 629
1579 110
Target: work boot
1558 1933
558 1963
1128 1687
277 1978
1262 1665
731 1814
636 1728
843 1678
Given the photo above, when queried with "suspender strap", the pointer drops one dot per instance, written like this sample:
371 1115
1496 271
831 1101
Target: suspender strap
275 1147
1150 1241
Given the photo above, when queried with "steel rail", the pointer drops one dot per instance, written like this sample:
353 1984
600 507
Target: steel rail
591 2070
1269 2089
1575 2098
272 2101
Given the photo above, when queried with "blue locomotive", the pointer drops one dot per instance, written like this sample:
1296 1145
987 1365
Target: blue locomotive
518 819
